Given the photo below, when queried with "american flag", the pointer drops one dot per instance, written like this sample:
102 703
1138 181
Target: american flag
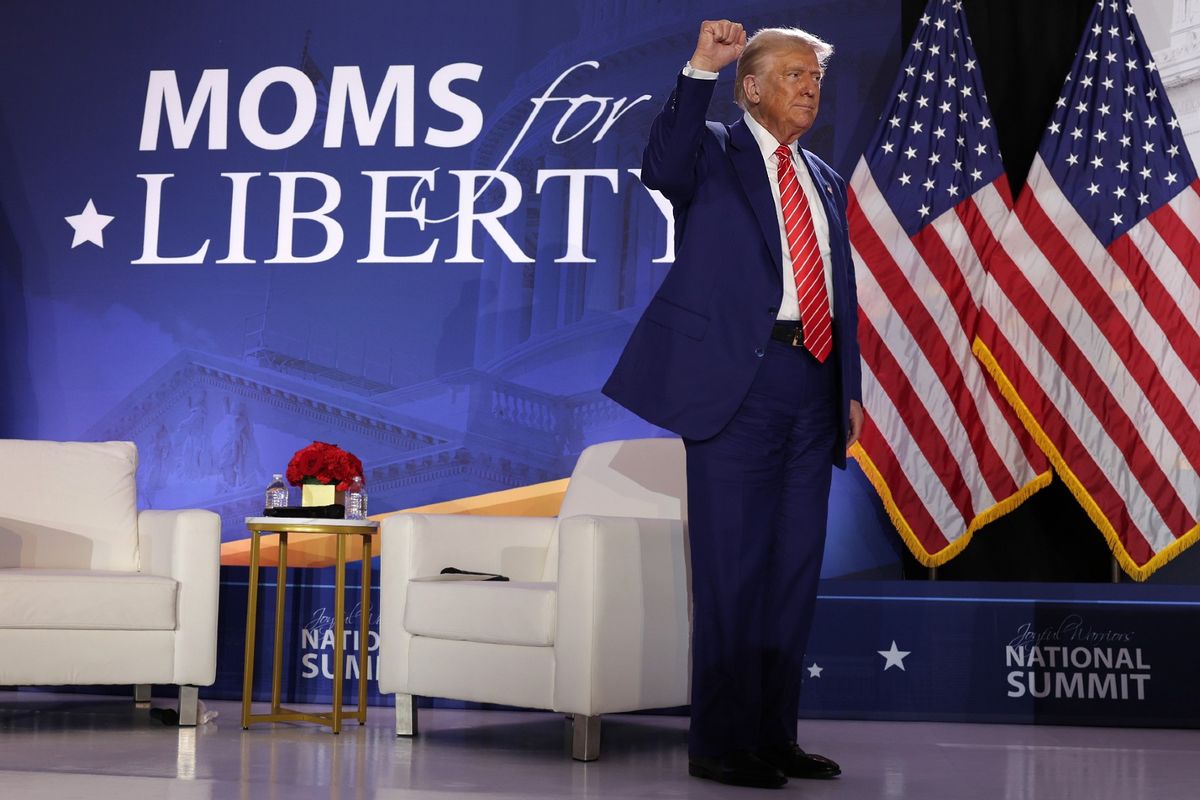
1092 313
941 446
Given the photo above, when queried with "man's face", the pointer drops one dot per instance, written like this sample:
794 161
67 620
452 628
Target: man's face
786 92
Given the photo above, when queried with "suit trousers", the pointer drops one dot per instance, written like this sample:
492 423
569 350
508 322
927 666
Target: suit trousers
758 499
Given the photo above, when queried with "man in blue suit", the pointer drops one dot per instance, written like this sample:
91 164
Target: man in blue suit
749 352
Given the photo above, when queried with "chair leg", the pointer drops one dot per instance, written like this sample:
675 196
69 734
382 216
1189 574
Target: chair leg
406 715
189 703
585 737
141 695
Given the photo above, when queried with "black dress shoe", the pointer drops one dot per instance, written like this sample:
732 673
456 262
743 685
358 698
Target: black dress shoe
795 763
739 768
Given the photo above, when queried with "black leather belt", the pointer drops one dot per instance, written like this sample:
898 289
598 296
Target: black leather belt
788 332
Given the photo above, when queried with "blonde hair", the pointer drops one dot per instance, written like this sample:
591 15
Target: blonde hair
766 41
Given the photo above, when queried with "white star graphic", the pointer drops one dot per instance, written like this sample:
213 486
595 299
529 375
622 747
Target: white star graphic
893 657
815 671
88 225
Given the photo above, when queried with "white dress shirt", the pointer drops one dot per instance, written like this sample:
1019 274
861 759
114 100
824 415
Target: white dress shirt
789 307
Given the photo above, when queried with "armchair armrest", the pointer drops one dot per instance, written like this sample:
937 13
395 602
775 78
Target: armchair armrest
186 545
416 545
622 638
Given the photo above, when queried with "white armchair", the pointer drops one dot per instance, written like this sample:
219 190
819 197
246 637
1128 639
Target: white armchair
593 621
93 592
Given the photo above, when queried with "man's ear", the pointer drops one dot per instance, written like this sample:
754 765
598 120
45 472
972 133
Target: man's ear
750 89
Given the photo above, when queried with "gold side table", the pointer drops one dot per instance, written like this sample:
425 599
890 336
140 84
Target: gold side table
341 530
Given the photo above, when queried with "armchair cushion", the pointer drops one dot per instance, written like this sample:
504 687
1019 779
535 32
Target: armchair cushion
494 612
69 505
69 599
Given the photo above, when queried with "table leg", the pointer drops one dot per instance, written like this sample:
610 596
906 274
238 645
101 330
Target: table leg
280 596
364 646
251 619
339 631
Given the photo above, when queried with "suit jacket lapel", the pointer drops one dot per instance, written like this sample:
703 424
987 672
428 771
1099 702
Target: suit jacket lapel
836 231
748 164
825 189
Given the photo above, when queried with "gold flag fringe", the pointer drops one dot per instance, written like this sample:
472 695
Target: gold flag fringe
956 546
1131 567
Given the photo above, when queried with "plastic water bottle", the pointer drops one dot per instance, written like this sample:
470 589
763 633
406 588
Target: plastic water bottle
277 492
356 499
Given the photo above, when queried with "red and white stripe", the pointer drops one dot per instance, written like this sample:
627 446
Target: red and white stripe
939 435
808 270
1102 345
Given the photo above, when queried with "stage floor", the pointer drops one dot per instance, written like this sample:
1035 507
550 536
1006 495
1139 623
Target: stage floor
75 746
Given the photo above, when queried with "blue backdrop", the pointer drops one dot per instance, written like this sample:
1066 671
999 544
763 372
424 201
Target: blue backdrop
415 230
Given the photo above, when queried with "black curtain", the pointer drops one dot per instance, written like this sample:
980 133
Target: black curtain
1025 49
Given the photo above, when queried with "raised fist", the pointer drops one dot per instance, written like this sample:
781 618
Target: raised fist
720 44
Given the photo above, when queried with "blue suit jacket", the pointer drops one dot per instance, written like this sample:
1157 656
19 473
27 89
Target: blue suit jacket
694 353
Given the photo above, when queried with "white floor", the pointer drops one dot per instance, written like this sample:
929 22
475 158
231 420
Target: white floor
102 748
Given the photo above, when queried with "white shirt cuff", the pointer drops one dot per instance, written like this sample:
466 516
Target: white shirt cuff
691 72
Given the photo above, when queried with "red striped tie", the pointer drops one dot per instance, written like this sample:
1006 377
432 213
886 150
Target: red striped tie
807 267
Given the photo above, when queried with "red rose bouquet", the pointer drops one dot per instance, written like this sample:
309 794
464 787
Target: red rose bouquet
323 463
